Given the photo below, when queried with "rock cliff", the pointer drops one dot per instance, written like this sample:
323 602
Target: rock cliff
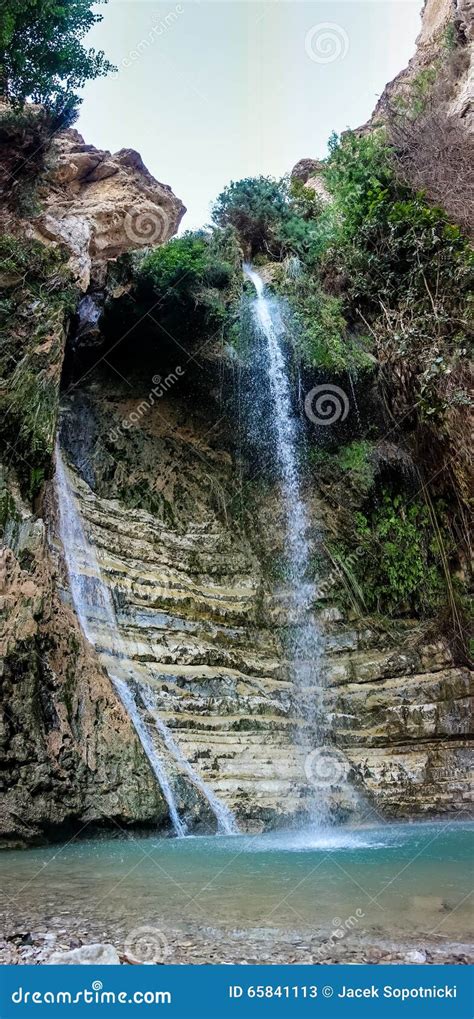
101 205
204 623
94 204
70 756
446 28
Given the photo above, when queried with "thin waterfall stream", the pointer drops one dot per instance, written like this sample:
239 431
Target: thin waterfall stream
306 643
93 604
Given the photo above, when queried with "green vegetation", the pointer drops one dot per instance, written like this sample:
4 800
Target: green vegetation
184 287
389 245
376 285
352 464
400 566
36 295
270 216
319 330
42 57
378 277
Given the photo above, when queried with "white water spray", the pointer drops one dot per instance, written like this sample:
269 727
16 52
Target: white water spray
93 604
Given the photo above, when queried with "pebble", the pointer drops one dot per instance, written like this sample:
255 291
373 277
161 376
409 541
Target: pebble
27 946
415 957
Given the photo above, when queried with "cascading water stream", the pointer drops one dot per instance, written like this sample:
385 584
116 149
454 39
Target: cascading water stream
93 604
130 705
225 819
306 645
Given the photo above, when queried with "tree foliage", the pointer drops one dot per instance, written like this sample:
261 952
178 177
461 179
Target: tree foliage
256 208
42 56
272 217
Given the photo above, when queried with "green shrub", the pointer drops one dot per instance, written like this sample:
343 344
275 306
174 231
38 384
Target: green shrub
318 329
392 245
36 295
273 218
401 568
351 465
357 464
183 290
256 207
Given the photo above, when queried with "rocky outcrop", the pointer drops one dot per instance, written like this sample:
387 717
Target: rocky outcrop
310 173
101 205
445 44
64 192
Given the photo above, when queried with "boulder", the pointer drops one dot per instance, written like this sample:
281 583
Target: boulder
100 205
86 955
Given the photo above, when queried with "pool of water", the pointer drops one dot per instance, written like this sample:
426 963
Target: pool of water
393 881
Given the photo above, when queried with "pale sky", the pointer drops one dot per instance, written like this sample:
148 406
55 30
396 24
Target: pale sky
210 91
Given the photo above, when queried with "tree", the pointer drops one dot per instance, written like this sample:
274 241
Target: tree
41 53
256 207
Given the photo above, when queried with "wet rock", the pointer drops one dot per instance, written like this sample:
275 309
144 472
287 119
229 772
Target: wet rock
86 955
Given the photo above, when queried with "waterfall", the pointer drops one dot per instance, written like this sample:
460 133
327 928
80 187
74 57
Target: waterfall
226 823
93 604
130 705
306 643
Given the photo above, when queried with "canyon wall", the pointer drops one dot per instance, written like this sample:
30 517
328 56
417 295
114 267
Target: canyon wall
205 623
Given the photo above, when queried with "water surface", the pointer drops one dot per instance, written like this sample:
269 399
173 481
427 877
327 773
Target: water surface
396 882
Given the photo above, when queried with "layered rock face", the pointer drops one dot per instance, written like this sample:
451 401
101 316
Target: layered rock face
188 590
204 627
68 749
